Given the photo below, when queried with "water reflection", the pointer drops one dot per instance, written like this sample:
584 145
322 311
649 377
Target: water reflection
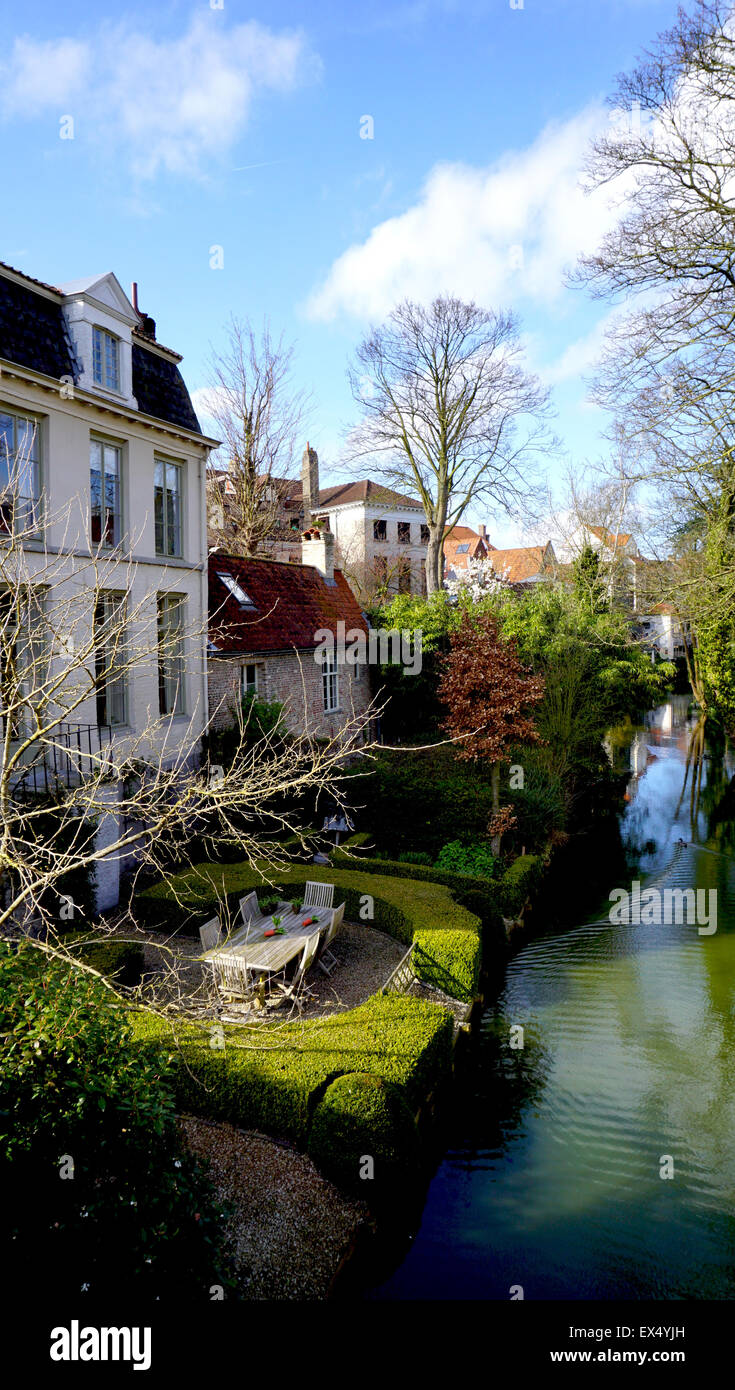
552 1179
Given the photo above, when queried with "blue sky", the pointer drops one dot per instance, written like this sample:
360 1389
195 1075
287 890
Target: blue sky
239 127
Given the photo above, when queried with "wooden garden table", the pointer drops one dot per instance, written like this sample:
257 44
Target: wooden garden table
267 955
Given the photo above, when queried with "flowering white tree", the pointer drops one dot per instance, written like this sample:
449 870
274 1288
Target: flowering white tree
479 580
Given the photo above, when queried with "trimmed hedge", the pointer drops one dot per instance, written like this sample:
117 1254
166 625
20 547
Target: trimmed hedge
272 1076
366 1141
446 933
520 881
489 899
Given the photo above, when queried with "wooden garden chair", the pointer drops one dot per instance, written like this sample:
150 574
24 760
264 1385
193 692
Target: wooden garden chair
318 894
210 934
327 959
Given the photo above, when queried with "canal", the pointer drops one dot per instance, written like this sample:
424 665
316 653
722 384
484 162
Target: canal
552 1175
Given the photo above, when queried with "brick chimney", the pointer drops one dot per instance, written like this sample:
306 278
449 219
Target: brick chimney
318 551
310 483
483 532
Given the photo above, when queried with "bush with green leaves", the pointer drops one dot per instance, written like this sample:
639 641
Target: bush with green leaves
272 1076
476 860
118 960
260 718
539 805
414 802
364 1138
51 832
100 1196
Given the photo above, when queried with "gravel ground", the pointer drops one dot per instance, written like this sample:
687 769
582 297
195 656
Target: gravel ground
290 1229
365 958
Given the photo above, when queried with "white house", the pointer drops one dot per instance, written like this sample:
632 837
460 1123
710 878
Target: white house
103 464
380 535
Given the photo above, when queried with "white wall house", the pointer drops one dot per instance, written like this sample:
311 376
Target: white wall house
380 535
660 632
115 468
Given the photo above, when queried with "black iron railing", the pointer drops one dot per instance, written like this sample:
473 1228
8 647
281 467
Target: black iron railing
67 755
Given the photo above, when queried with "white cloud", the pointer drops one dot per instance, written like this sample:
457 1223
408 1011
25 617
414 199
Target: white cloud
493 234
175 104
581 355
42 75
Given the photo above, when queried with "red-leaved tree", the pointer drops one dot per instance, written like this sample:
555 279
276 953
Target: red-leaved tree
489 696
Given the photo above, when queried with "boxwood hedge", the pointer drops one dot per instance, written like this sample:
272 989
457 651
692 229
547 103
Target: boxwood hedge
489 899
272 1076
521 881
447 934
365 1139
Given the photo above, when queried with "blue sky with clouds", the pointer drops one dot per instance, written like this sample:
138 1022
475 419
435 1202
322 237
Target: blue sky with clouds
239 127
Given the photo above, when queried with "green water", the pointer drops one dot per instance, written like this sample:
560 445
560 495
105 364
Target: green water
552 1179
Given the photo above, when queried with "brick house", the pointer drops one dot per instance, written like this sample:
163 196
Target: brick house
266 626
461 545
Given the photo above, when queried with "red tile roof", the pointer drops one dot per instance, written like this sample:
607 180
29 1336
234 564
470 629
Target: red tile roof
291 604
610 538
363 491
478 547
522 563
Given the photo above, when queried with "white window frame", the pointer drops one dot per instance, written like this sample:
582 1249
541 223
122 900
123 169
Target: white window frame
9 497
165 464
168 706
115 687
330 682
100 338
235 588
246 689
104 443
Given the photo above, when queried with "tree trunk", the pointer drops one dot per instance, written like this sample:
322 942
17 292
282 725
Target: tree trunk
435 559
495 787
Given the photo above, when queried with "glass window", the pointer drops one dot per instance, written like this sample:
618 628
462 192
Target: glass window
235 589
105 359
167 507
424 534
19 473
170 654
330 682
380 530
109 653
248 680
404 533
104 486
404 576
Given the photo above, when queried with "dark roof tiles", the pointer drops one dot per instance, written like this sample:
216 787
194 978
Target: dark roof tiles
290 605
33 334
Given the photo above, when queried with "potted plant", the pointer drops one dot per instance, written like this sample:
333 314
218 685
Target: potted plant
296 904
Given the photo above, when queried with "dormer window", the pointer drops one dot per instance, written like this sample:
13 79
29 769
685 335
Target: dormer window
235 589
105 359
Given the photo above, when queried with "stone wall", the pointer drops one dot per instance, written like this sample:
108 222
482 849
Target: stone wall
294 679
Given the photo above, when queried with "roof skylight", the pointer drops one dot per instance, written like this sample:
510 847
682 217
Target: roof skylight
235 589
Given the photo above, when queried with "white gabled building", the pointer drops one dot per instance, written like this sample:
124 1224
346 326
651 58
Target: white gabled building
101 454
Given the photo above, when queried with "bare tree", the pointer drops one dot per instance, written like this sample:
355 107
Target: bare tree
80 789
449 413
669 371
259 415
